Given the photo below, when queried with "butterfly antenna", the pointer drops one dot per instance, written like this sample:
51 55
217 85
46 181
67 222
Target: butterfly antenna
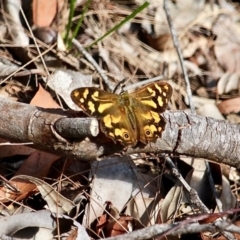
120 85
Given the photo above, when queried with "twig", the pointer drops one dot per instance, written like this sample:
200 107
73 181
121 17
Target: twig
176 229
35 42
139 84
81 49
194 198
192 107
180 56
26 64
227 235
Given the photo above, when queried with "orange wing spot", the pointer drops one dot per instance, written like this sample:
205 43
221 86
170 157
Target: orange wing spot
146 115
155 116
85 93
76 93
107 122
118 132
103 106
158 88
166 87
91 107
95 95
149 103
116 119
160 102
150 90
111 134
153 128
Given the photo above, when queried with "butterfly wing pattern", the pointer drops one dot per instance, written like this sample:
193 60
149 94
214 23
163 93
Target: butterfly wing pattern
154 100
127 118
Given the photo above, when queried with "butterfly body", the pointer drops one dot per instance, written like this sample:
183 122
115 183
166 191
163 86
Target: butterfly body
127 117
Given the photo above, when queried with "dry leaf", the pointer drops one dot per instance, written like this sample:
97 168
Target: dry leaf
113 181
63 82
228 82
210 110
230 106
45 11
43 99
37 164
56 202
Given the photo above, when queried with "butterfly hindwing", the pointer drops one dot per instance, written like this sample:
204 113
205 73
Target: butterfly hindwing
116 125
153 99
150 125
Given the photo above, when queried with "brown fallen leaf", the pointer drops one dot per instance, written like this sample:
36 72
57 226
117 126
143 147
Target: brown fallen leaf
230 106
43 99
119 227
37 164
45 11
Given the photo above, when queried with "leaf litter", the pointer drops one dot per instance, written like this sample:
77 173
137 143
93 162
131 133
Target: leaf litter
116 195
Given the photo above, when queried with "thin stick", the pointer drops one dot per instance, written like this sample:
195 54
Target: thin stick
180 56
189 93
192 193
26 64
81 49
35 42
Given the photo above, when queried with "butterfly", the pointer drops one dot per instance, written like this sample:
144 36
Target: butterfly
127 117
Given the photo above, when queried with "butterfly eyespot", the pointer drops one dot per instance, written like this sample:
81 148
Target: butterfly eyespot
126 135
148 133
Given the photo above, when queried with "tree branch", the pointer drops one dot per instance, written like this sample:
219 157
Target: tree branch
161 230
185 134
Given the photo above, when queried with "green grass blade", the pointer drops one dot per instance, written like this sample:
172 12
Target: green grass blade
75 32
72 5
132 15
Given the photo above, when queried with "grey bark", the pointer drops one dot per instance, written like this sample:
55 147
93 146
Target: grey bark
185 134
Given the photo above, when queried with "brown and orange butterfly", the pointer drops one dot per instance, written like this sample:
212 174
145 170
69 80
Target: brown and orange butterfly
127 117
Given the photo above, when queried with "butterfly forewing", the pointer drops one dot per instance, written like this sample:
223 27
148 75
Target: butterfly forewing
94 101
155 96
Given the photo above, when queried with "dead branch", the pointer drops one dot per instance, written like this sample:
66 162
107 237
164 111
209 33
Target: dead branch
159 230
185 134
